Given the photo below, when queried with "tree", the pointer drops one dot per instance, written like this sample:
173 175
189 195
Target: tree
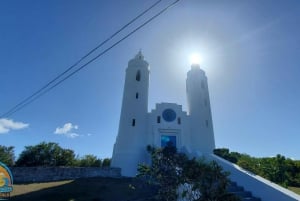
249 163
7 155
226 154
209 179
275 169
163 172
46 154
170 170
89 161
106 162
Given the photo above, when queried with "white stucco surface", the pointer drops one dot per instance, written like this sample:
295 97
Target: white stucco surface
190 130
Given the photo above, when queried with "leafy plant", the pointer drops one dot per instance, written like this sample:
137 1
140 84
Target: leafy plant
198 180
7 155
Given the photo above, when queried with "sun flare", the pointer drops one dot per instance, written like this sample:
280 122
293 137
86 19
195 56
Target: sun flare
195 58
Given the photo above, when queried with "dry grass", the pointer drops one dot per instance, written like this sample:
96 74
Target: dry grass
20 189
295 189
91 189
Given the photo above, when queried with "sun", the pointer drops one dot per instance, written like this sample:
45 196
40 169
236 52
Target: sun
195 58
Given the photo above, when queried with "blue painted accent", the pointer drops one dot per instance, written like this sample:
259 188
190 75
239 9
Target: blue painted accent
169 115
166 139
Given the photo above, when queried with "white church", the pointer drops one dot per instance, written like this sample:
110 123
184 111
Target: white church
190 131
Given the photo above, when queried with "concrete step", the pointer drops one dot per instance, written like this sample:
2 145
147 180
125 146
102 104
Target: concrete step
240 192
235 188
243 194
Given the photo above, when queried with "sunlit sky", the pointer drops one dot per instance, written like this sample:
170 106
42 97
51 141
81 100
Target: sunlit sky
248 48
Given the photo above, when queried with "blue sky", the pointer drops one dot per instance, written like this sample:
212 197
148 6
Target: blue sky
250 52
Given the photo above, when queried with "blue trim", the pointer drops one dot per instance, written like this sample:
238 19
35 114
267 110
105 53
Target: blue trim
169 115
166 139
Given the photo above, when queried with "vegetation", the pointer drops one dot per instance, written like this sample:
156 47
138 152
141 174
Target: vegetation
49 154
46 154
89 161
278 169
106 162
7 155
198 180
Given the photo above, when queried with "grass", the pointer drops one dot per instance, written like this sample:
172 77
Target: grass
294 189
90 189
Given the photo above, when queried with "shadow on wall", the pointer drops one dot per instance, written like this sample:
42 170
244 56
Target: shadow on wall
89 189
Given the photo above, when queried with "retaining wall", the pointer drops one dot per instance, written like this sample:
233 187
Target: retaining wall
46 174
259 186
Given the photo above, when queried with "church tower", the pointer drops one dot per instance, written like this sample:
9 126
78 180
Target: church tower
201 127
129 149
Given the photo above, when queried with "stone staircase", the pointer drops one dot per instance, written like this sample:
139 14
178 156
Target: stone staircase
240 192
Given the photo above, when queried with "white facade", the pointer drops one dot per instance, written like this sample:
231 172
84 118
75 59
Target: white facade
190 132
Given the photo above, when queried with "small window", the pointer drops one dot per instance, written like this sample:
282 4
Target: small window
136 95
179 120
138 76
133 122
202 84
206 122
158 119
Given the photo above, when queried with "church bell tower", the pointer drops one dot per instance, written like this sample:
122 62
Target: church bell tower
129 149
201 127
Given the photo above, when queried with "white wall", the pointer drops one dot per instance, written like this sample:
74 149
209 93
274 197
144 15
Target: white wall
155 130
130 146
201 124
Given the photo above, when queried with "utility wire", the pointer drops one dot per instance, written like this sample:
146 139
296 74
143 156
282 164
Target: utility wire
40 92
11 111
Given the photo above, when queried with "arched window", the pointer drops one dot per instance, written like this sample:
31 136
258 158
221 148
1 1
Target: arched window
136 95
138 75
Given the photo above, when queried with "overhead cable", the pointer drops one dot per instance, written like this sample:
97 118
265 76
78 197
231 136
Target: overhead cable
24 101
45 89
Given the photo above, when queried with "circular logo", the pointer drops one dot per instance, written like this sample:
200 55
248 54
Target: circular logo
2 181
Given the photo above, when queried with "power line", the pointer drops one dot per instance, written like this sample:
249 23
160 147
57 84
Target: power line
24 101
41 92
